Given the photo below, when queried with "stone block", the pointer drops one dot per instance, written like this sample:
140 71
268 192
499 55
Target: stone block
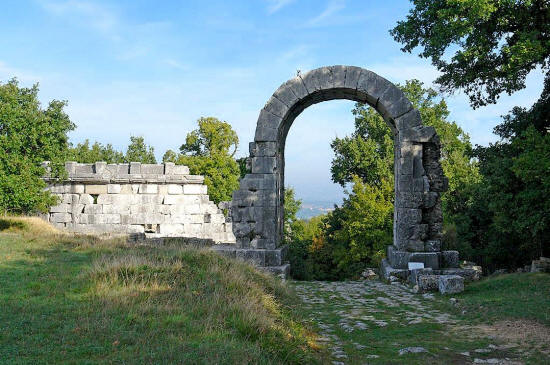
433 245
398 259
171 229
352 77
469 273
409 216
450 284
275 257
192 209
243 229
449 259
59 188
195 189
253 182
255 257
265 134
372 87
430 259
409 200
276 107
415 245
427 283
135 168
174 189
414 274
419 134
61 217
393 103
93 209
285 94
76 189
387 271
148 189
419 233
76 209
263 149
405 183
86 199
264 243
104 199
96 189
114 188
60 208
408 120
155 169
264 165
70 198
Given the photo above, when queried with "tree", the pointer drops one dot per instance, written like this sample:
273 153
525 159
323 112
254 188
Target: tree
494 44
209 151
29 135
359 231
138 151
169 156
83 153
368 152
507 224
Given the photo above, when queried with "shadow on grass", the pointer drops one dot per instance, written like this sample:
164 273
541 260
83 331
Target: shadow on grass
7 224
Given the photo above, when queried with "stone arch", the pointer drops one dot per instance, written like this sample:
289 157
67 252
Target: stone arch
257 207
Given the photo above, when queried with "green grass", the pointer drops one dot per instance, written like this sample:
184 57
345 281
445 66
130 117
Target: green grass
66 299
510 296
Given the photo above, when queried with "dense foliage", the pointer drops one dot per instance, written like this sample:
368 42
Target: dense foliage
209 151
500 218
84 153
507 220
29 135
494 43
137 151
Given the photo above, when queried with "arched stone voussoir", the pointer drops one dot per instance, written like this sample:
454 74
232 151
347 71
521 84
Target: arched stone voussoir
393 103
291 92
318 79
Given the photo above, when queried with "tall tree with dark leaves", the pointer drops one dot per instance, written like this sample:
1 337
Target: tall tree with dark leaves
483 47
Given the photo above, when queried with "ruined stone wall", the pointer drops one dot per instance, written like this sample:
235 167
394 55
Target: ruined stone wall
160 200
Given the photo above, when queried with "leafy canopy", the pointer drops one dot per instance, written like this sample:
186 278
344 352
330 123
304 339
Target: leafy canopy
137 151
29 135
209 151
484 47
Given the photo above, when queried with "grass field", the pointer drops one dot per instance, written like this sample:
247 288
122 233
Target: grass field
82 300
66 299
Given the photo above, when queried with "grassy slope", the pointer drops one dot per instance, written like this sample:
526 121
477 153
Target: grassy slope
80 300
511 296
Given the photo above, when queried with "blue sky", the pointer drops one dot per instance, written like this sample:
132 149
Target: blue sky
152 68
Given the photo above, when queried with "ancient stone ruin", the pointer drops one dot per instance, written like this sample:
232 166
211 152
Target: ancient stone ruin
257 206
160 200
165 200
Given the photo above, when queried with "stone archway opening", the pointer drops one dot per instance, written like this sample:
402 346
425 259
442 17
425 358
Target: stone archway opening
257 207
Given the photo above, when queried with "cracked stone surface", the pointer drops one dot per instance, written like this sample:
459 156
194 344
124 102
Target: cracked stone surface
342 311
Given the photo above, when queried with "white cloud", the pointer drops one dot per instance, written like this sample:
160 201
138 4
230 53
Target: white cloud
276 5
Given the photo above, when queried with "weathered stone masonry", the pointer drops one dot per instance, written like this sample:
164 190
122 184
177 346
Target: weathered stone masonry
161 200
258 205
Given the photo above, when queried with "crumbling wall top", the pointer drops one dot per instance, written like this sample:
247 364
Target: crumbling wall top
133 172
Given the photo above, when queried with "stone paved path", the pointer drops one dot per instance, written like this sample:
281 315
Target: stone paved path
345 311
